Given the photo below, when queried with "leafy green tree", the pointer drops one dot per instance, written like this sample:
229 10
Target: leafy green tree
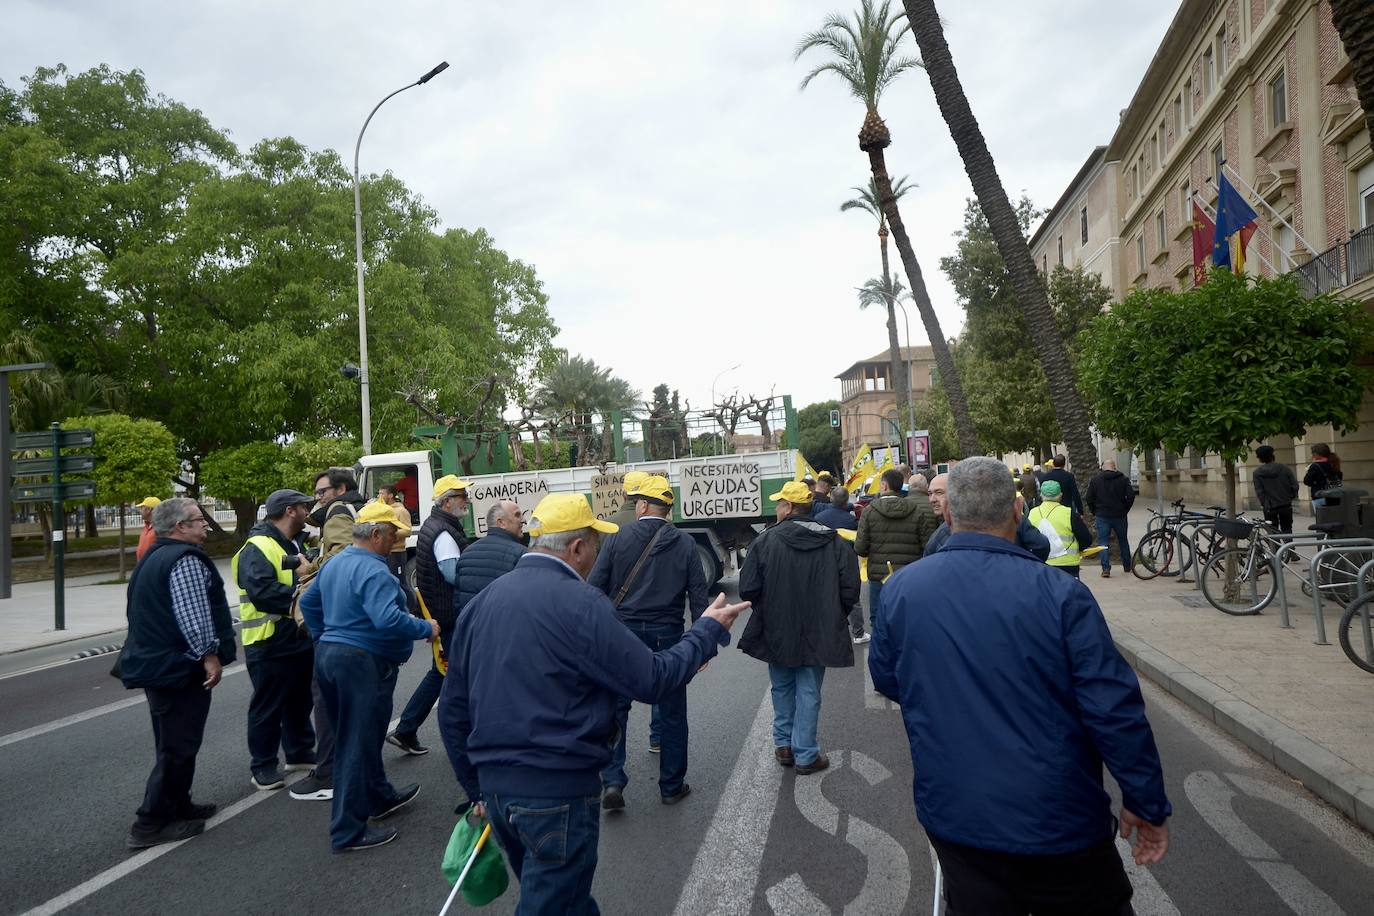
301 459
244 475
866 55
575 392
820 442
1217 367
134 459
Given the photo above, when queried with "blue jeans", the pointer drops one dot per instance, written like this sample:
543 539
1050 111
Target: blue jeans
796 709
875 591
357 687
550 844
1105 526
672 721
426 694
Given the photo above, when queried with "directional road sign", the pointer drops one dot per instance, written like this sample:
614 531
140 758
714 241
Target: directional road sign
33 467
68 438
74 490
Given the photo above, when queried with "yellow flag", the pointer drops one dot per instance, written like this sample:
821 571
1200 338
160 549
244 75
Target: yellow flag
859 470
804 468
878 476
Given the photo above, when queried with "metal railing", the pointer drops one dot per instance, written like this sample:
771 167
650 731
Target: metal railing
1324 273
1359 254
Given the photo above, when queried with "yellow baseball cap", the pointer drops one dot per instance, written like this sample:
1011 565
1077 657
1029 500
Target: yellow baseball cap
655 487
559 512
149 502
449 482
632 481
794 491
1026 468
379 512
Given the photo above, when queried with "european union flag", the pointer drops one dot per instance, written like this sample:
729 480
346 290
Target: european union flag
1233 215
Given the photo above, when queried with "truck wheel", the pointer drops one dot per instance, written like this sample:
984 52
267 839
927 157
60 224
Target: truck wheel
709 564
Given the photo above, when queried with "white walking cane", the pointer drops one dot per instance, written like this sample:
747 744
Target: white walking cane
476 850
939 881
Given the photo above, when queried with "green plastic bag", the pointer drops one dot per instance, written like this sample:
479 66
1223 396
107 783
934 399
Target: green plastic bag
487 879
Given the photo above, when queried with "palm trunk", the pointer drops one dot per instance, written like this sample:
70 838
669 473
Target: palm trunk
944 361
1354 22
901 375
1006 230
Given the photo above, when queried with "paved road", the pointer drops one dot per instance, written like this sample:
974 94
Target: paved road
751 839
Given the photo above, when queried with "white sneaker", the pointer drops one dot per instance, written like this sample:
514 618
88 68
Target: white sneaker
860 640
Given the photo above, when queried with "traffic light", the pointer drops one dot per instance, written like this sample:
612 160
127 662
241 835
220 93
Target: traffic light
835 419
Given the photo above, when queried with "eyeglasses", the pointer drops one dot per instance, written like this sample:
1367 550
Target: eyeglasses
320 491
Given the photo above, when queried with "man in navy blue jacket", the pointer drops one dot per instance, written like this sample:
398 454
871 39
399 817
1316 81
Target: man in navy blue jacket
649 598
1013 696
528 708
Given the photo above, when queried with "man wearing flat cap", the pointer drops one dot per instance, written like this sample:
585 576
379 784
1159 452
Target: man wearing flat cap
279 656
364 632
649 570
528 708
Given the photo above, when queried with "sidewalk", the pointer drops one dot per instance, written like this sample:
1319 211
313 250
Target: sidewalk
1304 707
26 619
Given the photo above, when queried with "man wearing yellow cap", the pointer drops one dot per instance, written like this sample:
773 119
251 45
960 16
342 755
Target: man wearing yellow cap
626 515
528 707
441 541
802 579
649 570
146 538
359 617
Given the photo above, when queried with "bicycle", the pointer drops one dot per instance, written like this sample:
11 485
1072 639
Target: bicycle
1156 551
1226 575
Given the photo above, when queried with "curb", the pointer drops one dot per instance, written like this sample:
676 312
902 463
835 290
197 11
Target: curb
1345 786
62 639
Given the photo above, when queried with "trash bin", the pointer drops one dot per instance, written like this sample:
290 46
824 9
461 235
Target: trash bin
1342 508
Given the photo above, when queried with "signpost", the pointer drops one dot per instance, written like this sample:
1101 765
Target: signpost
56 490
6 543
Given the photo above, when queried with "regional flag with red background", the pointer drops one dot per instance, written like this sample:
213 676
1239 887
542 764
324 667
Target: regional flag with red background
1204 230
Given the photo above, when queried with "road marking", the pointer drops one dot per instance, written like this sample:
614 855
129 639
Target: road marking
1336 828
872 698
726 871
138 860
1150 898
46 727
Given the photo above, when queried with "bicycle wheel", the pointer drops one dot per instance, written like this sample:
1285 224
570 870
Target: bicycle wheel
1336 576
1152 556
1359 650
1238 582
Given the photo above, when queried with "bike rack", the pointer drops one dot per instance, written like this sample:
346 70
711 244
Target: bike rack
1316 586
1296 542
1360 592
1197 524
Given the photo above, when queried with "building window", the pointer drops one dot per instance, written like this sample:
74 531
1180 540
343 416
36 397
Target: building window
1160 241
1278 99
1083 225
1134 183
1285 240
1185 202
1144 173
1140 254
1163 142
1061 251
1045 264
1188 100
1209 72
1178 117
1364 188
1218 157
1223 53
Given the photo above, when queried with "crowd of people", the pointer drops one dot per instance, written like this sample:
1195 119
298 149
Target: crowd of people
542 639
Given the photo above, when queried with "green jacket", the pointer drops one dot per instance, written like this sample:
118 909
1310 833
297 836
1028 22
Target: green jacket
894 529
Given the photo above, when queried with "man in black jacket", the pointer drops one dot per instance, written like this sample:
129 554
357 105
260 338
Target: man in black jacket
649 570
1276 486
802 579
1068 485
441 541
1110 497
280 659
180 638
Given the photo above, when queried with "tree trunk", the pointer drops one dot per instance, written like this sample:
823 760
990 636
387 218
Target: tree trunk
123 508
1354 22
92 528
901 371
944 360
245 516
1006 230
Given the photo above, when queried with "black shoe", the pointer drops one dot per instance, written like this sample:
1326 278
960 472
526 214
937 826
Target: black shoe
371 840
408 743
613 798
268 780
821 762
313 788
140 838
677 796
655 747
197 812
403 797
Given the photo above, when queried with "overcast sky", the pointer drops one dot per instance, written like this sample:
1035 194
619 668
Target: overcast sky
655 161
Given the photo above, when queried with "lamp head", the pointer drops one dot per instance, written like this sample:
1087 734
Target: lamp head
432 74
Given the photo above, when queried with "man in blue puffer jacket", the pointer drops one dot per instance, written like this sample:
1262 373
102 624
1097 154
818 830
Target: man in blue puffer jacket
490 557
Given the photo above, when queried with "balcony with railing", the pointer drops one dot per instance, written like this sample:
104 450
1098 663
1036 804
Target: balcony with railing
1339 266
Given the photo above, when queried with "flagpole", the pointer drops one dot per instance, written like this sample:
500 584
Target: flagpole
1212 215
1243 183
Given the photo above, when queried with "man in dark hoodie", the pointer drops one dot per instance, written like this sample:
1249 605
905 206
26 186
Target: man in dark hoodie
1109 498
649 570
280 658
802 579
1068 484
892 531
1276 486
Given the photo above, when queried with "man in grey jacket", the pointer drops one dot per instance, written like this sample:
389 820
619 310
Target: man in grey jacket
1276 486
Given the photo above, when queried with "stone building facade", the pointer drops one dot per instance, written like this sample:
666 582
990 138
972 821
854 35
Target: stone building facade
869 411
1262 88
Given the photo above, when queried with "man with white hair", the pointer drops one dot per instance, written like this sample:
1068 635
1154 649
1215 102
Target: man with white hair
1014 696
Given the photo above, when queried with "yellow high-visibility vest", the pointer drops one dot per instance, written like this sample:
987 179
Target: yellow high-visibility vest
1055 522
256 625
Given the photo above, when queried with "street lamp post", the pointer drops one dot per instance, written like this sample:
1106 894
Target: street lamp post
906 322
713 395
358 237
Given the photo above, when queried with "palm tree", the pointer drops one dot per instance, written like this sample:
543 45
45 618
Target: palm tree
1006 231
1354 22
865 57
869 200
574 389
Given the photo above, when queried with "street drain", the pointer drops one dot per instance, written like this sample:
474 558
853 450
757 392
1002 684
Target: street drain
1190 600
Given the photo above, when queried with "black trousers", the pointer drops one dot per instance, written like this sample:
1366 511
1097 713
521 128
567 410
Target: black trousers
324 734
279 712
1282 518
979 882
178 716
